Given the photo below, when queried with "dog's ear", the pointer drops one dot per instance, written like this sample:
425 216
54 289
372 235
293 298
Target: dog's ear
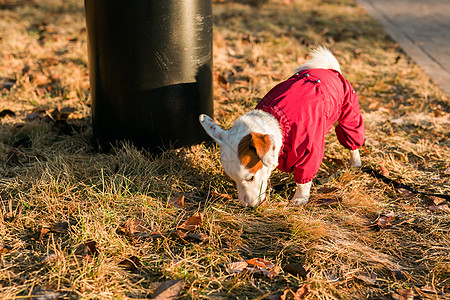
212 129
263 145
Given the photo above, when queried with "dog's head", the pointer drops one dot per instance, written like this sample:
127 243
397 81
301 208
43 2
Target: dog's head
247 158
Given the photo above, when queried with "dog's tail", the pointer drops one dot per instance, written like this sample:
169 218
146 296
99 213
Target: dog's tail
321 58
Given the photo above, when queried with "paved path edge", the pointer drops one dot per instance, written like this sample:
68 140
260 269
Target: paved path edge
437 74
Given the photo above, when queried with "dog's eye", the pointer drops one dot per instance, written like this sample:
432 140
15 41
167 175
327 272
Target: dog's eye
250 179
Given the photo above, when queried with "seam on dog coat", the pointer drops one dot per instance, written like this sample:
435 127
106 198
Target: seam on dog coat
306 106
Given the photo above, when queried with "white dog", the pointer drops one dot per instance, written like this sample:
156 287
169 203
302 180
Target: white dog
287 130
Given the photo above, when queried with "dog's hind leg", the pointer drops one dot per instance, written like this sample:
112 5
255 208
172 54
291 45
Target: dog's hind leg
355 159
301 196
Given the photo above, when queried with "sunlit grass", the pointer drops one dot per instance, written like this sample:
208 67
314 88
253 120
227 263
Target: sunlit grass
50 176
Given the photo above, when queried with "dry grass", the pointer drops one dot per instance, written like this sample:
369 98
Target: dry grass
51 173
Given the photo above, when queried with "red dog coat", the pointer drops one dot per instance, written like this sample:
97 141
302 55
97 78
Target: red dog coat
306 106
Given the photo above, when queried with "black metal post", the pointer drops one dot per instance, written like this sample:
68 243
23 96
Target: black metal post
150 64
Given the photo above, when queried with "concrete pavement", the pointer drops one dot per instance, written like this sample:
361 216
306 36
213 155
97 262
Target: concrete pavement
422 29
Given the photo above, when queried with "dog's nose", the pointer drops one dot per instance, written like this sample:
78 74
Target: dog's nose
245 202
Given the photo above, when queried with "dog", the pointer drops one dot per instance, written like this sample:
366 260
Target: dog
287 130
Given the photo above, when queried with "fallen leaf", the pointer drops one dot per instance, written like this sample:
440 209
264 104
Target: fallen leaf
158 235
237 267
193 222
40 79
59 228
441 207
132 228
383 170
447 171
260 271
224 196
88 248
302 292
367 278
176 201
410 220
5 249
436 200
49 258
191 236
256 266
131 264
7 112
295 269
170 289
427 289
61 114
403 294
259 262
397 274
47 293
13 157
405 192
383 222
373 104
285 294
7 83
8 217
36 113
337 161
222 80
327 190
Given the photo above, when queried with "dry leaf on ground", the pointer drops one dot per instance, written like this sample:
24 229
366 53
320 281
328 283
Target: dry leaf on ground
13 157
295 269
5 249
257 266
6 84
88 248
441 207
192 236
403 294
237 267
224 196
132 228
300 294
170 289
131 263
436 200
383 170
176 201
7 112
259 262
48 293
366 277
59 228
193 222
327 190
387 222
405 192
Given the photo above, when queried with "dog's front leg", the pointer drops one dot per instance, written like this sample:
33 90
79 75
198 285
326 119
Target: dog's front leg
302 194
355 159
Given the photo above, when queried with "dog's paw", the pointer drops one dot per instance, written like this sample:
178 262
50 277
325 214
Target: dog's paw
299 200
355 159
301 195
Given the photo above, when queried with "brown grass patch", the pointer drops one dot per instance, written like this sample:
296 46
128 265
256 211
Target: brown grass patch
51 175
